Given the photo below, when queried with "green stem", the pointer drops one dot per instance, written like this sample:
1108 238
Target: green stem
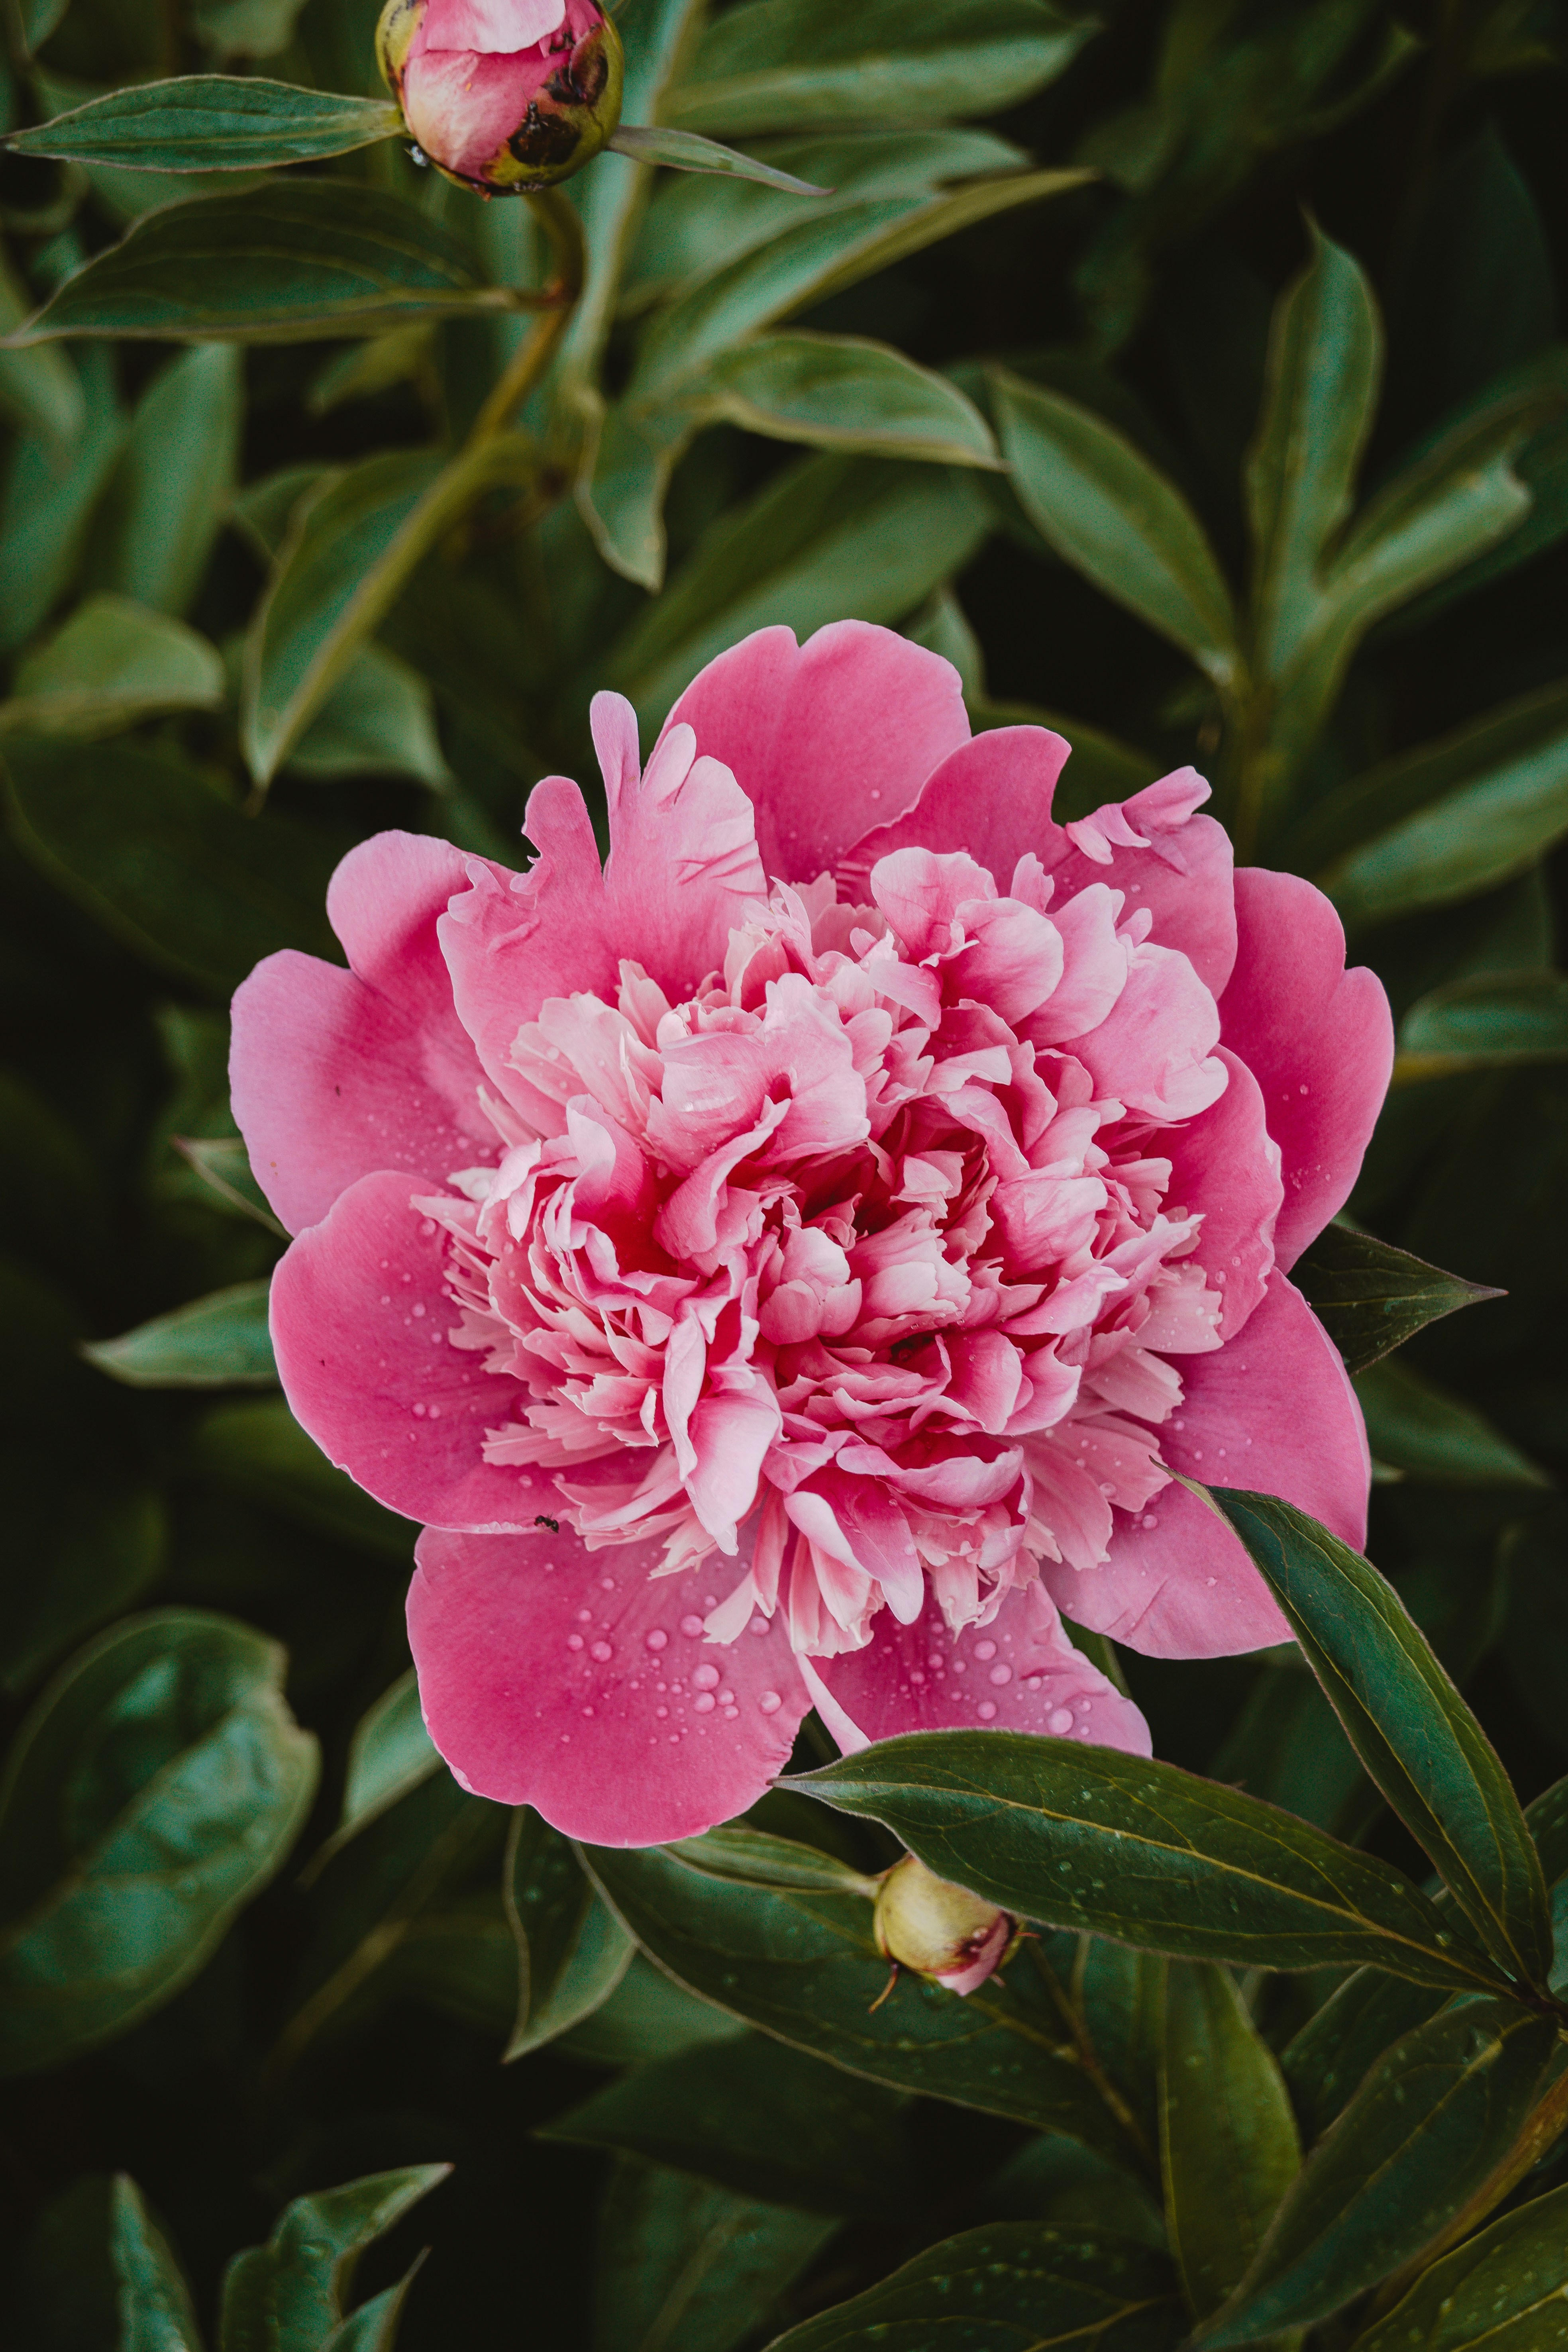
534 353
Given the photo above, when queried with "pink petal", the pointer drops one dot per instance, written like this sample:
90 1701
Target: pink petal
683 865
856 1522
360 1322
1193 908
990 797
1155 1049
1225 1164
829 738
1020 1673
487 25
1319 1040
1272 1412
335 1072
462 106
524 1718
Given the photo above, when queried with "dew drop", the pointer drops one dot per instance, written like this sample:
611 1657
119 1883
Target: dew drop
705 1702
986 1709
1151 1519
1061 1720
706 1678
573 1641
662 1712
691 1626
585 1616
770 1701
601 1650
1000 1675
657 1639
985 1649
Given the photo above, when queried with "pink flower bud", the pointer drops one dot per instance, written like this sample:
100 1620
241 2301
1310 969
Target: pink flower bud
942 1931
503 95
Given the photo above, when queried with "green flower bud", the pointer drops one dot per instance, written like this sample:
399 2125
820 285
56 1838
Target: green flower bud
503 95
942 1931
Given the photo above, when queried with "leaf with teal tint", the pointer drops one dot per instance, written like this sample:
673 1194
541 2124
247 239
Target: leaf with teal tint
211 122
1423 1431
289 2294
572 1950
156 2312
1484 1023
215 1343
685 151
1371 1297
1506 2289
1330 2057
680 2260
838 392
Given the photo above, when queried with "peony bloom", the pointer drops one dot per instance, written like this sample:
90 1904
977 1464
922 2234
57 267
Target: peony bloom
503 95
785 1265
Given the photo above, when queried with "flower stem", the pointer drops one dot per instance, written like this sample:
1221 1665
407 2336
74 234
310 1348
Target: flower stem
533 355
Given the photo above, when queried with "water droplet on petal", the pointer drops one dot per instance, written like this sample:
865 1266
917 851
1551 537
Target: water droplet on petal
1000 1675
770 1701
1061 1720
691 1626
573 1641
986 1709
985 1649
705 1702
657 1639
601 1650
706 1678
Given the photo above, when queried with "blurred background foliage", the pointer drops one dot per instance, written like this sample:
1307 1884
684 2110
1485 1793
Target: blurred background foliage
1190 374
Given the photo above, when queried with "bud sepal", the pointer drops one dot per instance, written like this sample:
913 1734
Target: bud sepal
938 1930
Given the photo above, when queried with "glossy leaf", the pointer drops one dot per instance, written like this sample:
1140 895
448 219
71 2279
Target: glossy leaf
1228 2148
749 1857
290 263
684 150
215 1343
647 2016
764 2121
1421 1431
390 1753
113 665
1013 2286
784 63
1485 1025
1431 2122
47 506
1371 1297
143 843
291 2291
1406 1722
373 2326
174 478
572 1950
1106 510
211 122
1120 1995
223 1164
1128 1847
1507 2288
379 719
681 2262
1364 2015
836 391
156 2313
156 1786
802 1966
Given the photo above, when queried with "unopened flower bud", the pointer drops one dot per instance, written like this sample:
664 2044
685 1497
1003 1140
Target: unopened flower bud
942 1931
503 95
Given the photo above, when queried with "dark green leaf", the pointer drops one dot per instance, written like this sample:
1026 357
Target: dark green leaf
1485 1023
215 1343
680 2262
154 1789
156 2313
292 262
837 392
1406 1722
572 1949
1371 1297
1010 2288
802 1966
391 1752
785 64
684 150
164 862
223 1164
1337 2048
647 2016
1432 2121
373 2326
1506 2289
288 2295
751 1857
764 2121
1120 1995
1228 2148
112 666
1129 1847
258 1449
174 478
1106 510
211 122
1420 1429
1547 1816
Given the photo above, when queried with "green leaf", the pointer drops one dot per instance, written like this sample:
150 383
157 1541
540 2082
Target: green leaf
1228 2150
1433 2120
1107 511
379 719
39 390
288 2295
830 537
112 666
572 1950
1406 1721
156 2313
1506 2289
246 28
1336 2049
1128 1847
802 1966
166 501
211 122
223 1164
1010 2288
837 392
748 1857
1325 359
764 2121
257 1449
373 2326
165 863
680 2262
214 1343
1489 1022
1446 821
1119 1994
683 151
289 263
1420 1429
152 1792
49 500
1547 1816
786 64
647 2016
390 1753
1371 1297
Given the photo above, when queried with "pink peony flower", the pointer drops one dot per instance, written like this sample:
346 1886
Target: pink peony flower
786 1265
503 94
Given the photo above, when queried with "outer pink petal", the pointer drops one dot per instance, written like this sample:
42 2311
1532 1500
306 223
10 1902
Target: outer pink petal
359 1321
335 1072
1274 1412
991 798
1225 1164
1193 905
829 738
643 1732
1319 1040
1020 1673
682 865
